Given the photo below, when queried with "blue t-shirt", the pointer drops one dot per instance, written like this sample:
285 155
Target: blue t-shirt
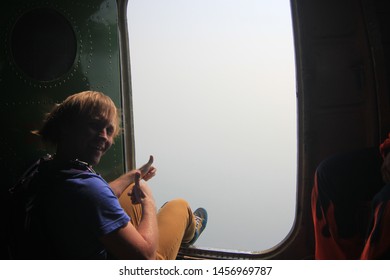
77 209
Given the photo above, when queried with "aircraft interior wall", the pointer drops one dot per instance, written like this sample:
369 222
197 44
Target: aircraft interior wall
342 66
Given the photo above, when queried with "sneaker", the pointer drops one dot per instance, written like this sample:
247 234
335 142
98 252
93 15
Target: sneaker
201 222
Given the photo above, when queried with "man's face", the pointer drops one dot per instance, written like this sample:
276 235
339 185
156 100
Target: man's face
90 139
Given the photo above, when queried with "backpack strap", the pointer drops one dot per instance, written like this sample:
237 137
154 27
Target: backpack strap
23 195
23 183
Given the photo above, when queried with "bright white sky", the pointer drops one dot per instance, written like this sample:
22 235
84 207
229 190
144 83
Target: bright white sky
215 103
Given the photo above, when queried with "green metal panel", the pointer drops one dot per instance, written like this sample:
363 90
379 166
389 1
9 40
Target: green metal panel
24 100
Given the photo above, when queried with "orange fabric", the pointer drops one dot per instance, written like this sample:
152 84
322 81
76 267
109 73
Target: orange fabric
378 243
328 244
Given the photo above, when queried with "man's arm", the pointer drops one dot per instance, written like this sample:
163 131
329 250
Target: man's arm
147 171
141 243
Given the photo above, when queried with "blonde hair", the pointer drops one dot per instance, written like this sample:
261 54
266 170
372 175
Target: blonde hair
84 105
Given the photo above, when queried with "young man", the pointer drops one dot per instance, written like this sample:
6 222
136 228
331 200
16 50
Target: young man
79 215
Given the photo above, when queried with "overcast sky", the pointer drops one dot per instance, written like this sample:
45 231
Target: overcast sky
215 103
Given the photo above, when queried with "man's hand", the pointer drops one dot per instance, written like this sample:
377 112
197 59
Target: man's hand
147 170
140 191
136 194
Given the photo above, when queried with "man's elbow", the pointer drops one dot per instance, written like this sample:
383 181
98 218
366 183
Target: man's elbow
143 254
150 251
151 256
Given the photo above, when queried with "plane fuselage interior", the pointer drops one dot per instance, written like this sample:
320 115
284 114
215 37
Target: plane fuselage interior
50 49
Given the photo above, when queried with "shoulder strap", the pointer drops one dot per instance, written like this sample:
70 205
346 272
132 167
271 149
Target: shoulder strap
23 183
23 196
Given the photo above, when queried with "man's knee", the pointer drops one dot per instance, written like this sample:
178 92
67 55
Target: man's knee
177 203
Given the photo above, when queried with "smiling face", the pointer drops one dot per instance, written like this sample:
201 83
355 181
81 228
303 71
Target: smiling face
83 127
89 140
